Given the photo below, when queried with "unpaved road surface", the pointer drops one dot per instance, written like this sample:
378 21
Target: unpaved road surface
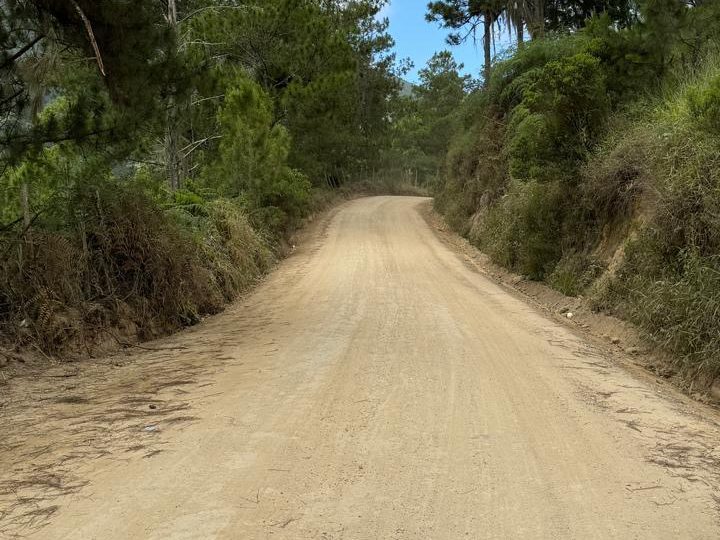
375 387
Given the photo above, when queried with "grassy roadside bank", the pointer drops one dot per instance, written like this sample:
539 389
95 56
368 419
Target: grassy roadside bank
139 270
622 340
589 161
619 207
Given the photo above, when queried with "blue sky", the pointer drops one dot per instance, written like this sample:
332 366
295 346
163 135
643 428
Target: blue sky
419 40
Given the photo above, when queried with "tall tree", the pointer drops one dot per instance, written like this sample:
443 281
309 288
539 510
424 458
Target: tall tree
573 14
115 46
326 66
464 18
424 122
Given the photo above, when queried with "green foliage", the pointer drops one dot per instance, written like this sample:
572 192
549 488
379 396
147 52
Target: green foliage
464 18
326 69
531 147
558 118
475 167
573 14
424 122
521 230
513 75
125 265
252 159
549 103
47 52
320 111
704 103
630 65
607 178
165 158
554 96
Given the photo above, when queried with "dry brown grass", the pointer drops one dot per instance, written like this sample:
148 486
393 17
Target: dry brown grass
127 270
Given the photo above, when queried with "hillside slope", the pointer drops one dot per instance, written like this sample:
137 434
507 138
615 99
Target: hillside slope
590 161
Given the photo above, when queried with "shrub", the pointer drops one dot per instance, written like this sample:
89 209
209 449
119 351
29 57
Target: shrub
669 282
704 103
123 265
521 230
617 173
475 165
563 108
531 148
512 76
574 273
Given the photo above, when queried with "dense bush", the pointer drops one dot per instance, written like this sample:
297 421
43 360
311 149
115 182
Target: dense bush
704 103
128 266
475 168
575 272
252 159
670 280
562 108
522 229
607 183
518 161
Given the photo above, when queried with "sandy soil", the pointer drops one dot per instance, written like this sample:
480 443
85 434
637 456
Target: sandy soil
374 386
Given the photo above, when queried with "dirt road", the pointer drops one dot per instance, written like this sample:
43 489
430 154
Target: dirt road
375 387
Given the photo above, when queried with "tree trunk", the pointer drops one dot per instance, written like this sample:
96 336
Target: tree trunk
487 36
173 159
27 220
520 29
538 31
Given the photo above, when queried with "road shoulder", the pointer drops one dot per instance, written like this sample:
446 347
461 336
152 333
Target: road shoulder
619 339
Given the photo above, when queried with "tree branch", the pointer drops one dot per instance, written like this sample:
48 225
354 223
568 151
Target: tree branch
20 52
91 36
